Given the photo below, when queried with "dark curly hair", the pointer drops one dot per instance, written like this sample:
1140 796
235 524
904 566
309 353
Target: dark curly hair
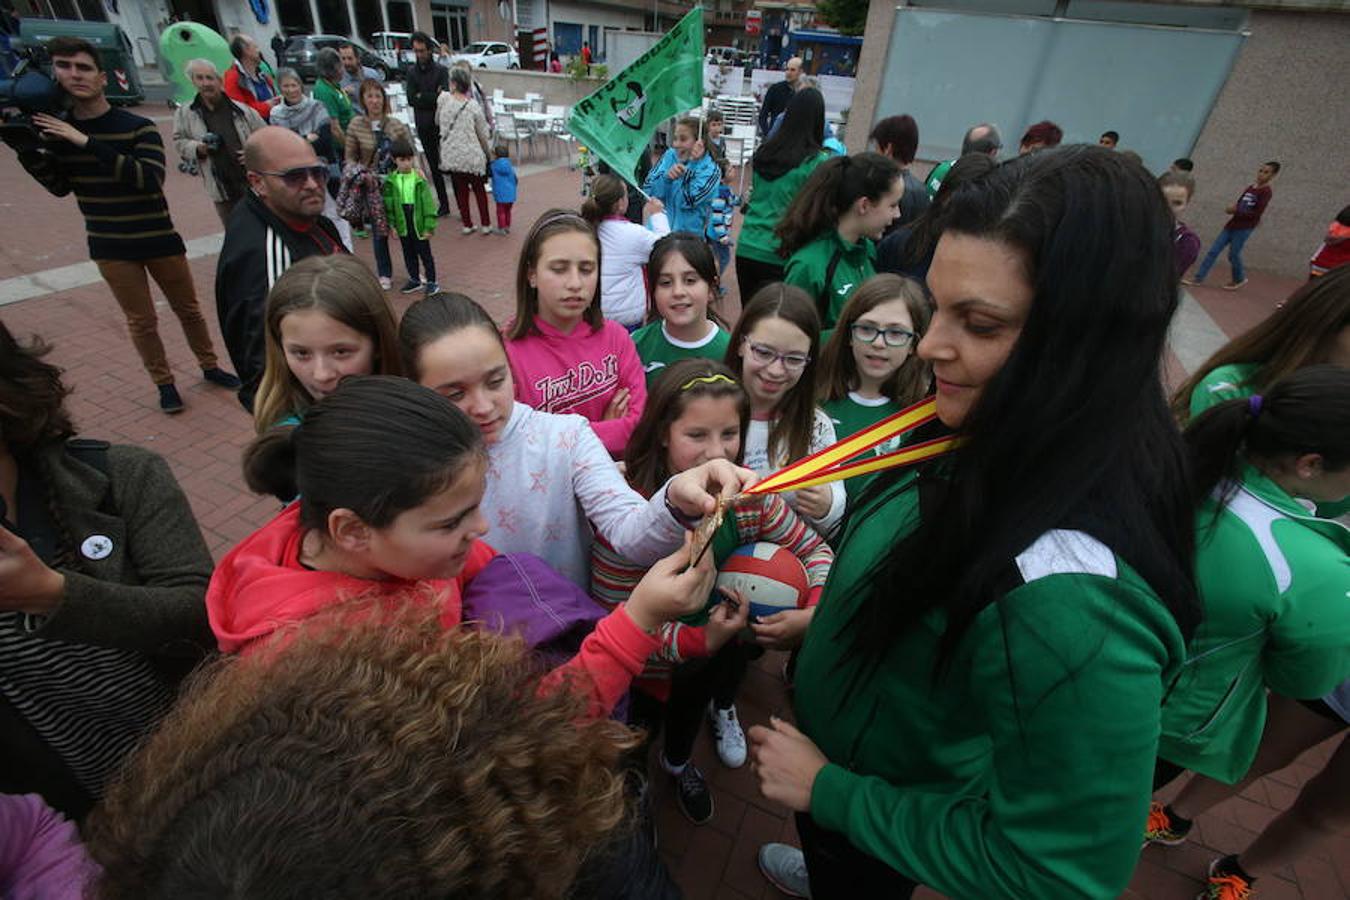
367 752
32 395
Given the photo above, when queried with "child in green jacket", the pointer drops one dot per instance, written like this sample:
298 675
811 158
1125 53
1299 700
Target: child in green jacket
1273 578
410 208
979 691
829 231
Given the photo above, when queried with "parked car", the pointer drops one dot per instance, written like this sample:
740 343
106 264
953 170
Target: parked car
302 54
729 56
394 47
489 55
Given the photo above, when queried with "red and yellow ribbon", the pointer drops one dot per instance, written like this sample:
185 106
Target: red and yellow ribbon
829 464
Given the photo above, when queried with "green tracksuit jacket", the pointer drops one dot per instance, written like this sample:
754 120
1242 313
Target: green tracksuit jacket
1234 381
1274 579
769 199
1026 771
830 271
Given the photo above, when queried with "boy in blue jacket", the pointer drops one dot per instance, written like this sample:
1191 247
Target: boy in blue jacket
503 188
686 178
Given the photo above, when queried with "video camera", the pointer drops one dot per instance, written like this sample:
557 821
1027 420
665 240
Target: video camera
29 89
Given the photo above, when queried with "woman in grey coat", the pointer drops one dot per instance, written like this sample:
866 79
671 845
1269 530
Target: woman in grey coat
103 576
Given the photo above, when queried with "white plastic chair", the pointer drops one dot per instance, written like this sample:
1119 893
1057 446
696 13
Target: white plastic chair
508 129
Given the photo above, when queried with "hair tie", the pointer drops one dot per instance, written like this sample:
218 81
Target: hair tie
706 379
1254 405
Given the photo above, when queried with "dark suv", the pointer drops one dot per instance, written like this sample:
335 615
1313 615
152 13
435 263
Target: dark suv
302 54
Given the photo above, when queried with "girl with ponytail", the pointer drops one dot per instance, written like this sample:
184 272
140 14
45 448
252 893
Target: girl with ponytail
624 248
828 232
1273 579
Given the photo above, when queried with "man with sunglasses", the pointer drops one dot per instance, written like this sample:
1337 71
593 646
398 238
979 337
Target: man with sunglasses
279 222
113 162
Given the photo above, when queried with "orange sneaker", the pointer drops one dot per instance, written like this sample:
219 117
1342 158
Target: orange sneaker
1224 884
1161 828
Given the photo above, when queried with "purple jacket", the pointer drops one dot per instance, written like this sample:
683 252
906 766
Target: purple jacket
519 593
41 857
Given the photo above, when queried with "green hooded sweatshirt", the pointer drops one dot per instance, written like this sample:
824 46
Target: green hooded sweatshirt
1024 771
1274 579
830 271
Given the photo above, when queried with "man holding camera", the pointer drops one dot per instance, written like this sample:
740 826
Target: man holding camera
113 161
209 134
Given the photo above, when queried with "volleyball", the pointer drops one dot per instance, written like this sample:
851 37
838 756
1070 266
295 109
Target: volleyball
770 577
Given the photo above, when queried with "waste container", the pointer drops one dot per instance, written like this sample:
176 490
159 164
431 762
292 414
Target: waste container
112 44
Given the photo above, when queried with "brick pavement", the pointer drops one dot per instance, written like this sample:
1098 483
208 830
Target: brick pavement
113 399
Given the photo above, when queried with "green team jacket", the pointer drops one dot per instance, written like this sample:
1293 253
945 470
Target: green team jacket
830 271
769 199
1274 580
1238 380
1026 771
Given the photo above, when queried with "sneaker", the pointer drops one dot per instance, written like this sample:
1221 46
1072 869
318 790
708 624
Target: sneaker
1192 282
785 867
1234 285
1224 883
506 230
412 286
1165 827
386 283
431 287
730 738
691 792
485 230
219 377
467 229
169 401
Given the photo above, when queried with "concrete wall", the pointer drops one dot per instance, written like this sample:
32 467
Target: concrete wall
1283 101
557 90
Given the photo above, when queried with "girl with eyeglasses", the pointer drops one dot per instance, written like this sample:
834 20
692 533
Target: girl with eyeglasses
773 351
869 369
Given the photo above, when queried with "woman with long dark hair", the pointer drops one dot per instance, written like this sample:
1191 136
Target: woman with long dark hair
103 577
780 167
979 692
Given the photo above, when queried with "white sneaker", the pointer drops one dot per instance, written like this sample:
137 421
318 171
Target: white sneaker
386 283
486 229
467 229
726 729
785 867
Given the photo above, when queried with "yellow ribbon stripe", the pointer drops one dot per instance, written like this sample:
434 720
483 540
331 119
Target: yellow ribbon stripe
830 464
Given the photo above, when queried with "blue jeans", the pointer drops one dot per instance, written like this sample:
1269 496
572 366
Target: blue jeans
1235 239
384 266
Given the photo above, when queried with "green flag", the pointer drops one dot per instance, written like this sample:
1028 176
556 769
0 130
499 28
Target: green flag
617 120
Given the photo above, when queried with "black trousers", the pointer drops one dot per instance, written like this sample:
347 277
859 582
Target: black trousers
751 275
839 871
694 683
415 247
430 136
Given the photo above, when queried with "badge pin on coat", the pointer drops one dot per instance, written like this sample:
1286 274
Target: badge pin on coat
97 546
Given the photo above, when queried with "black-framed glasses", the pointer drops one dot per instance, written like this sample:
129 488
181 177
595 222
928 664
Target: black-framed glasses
296 178
894 336
767 356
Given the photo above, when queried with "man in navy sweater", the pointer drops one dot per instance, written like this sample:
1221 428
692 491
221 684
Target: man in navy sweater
113 161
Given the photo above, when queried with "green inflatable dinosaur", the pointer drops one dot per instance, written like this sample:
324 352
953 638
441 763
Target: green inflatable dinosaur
184 41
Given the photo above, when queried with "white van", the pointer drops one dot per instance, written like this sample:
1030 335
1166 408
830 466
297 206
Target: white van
394 47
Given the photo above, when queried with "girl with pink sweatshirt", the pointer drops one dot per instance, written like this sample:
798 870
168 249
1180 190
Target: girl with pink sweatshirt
565 357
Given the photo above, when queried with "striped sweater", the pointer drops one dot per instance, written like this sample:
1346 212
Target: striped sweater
759 518
118 179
